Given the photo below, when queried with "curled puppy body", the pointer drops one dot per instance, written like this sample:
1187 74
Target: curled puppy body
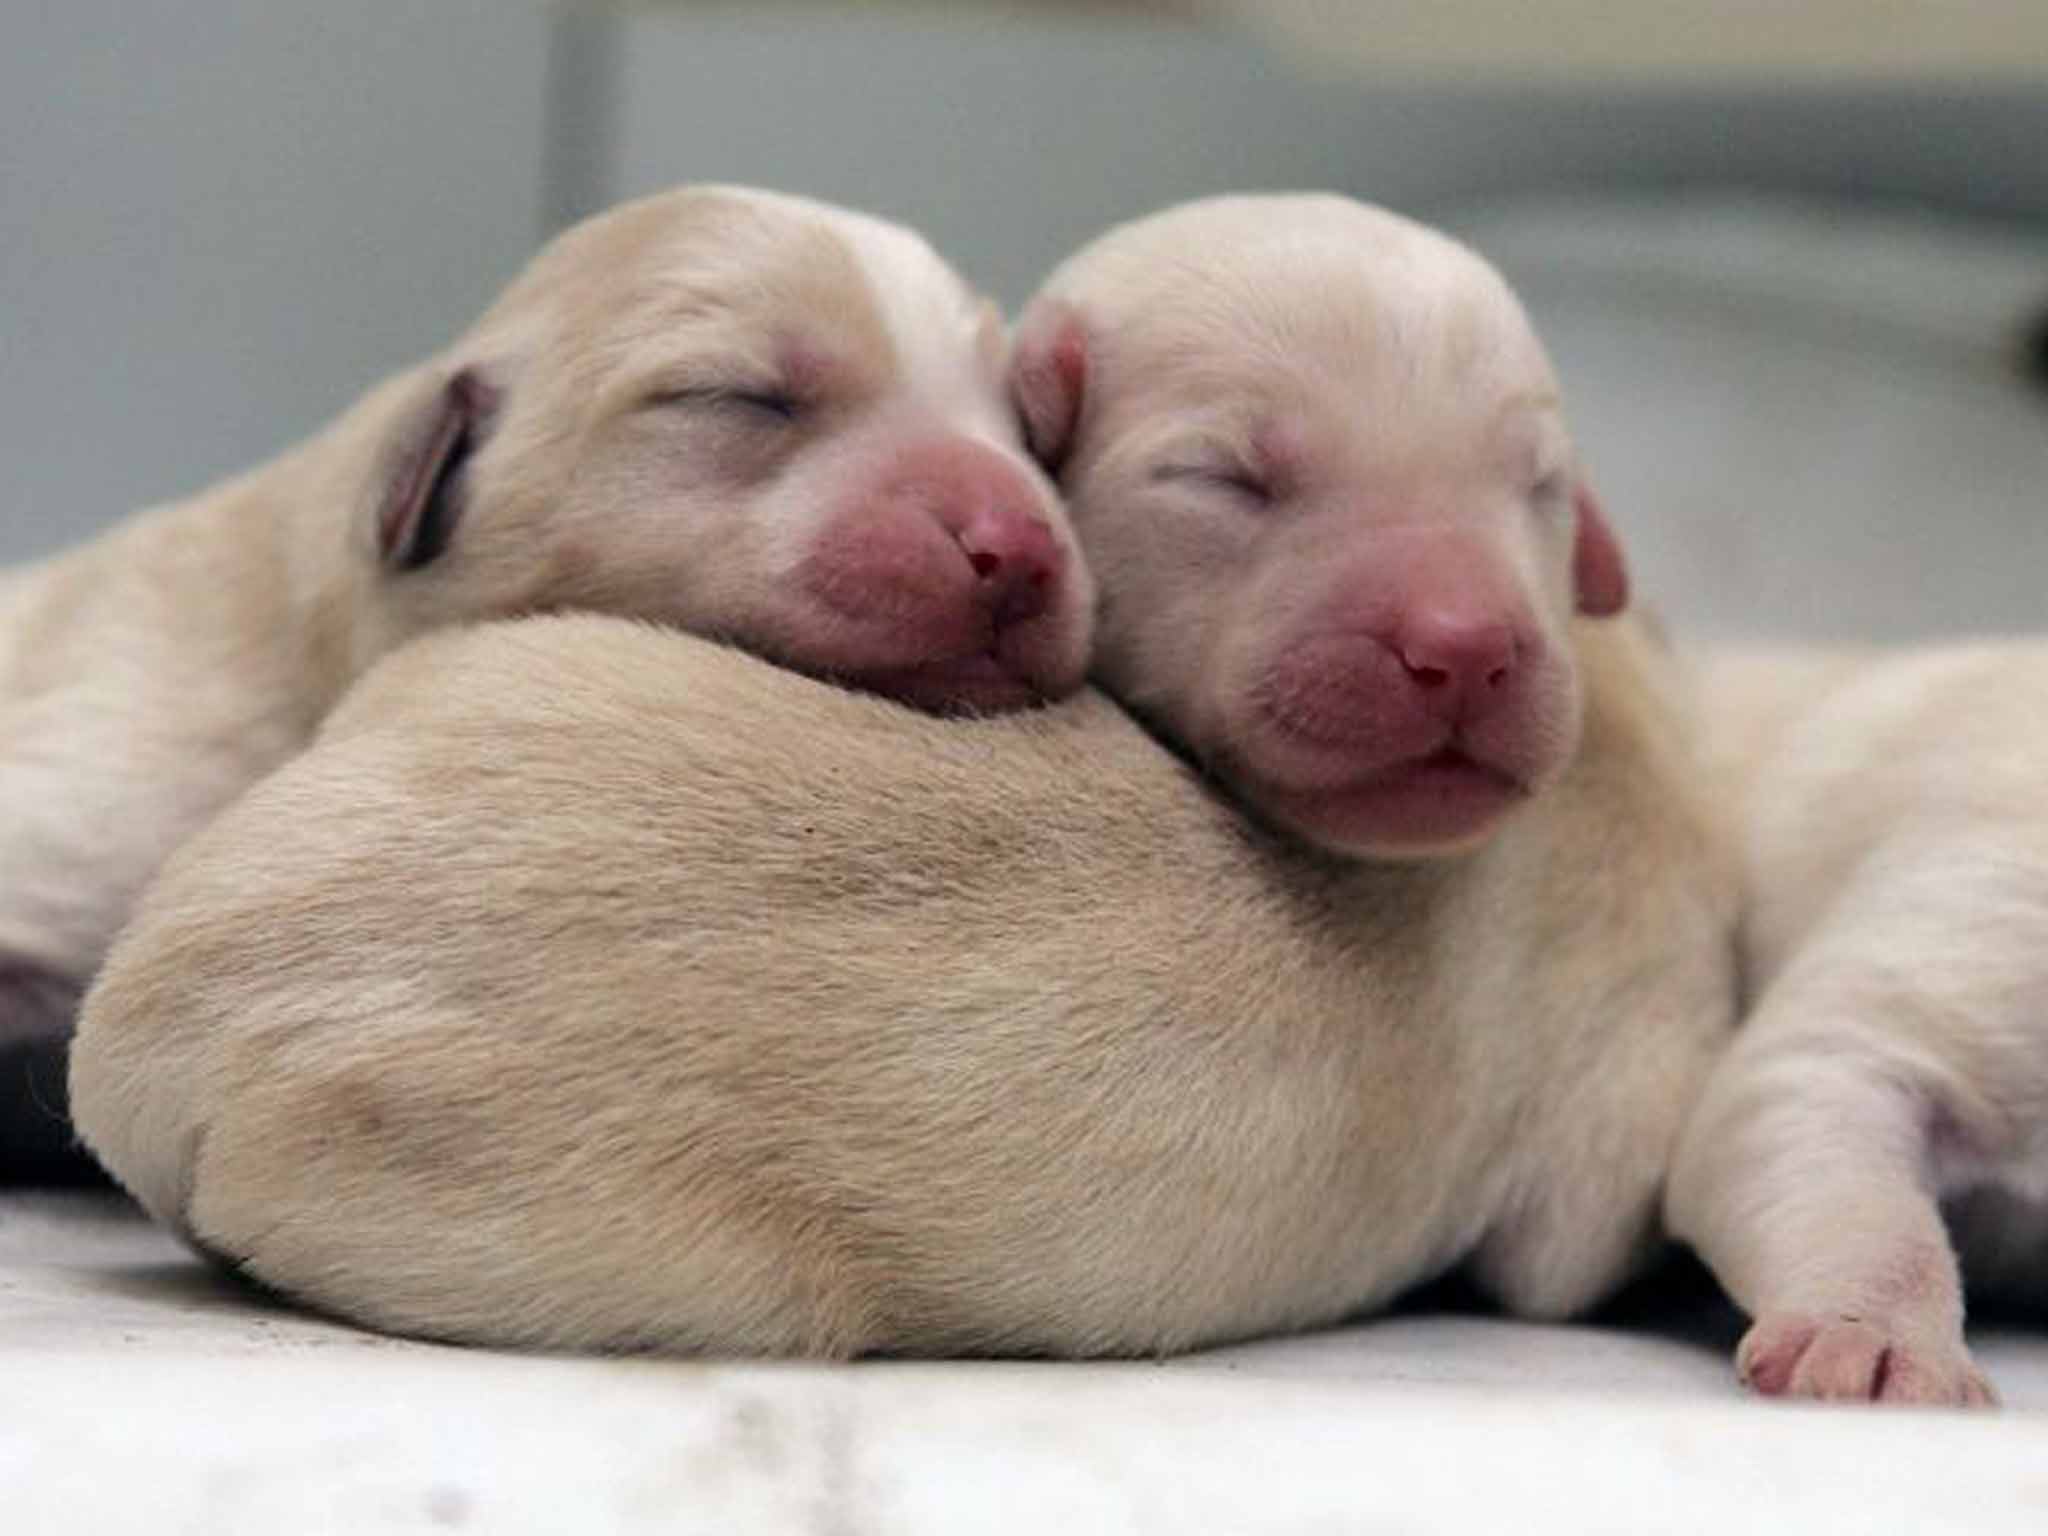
739 413
593 987
1895 1058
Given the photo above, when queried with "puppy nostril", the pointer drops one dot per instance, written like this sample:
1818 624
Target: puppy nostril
1429 677
1497 676
985 564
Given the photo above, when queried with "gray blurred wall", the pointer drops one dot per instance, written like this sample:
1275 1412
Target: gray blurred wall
1009 140
221 221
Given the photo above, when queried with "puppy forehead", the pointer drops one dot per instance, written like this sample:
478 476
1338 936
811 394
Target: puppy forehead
784 268
1300 299
872 296
945 335
1324 313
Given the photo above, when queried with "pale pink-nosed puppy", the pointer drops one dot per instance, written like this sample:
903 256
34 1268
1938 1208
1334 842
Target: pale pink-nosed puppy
749 415
720 1011
1894 1063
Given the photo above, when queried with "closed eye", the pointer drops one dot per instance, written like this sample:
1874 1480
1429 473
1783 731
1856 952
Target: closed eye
1232 479
774 402
769 402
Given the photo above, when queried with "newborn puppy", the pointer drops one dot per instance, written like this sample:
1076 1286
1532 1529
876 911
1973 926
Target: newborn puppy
1347 535
743 414
1895 1059
597 988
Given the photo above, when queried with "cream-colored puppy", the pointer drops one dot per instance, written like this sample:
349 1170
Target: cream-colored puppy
1895 1060
744 414
594 987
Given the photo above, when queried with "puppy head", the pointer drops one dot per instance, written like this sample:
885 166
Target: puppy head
1315 455
754 417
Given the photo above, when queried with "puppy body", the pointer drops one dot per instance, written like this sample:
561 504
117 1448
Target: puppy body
739 413
1894 1060
588 986
629 994
147 678
144 681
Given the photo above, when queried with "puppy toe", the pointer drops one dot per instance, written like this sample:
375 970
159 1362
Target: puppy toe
1846 1362
1855 1360
1770 1352
1918 1375
1977 1390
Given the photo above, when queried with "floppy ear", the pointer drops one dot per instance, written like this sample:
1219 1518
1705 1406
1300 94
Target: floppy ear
423 499
1048 378
1599 571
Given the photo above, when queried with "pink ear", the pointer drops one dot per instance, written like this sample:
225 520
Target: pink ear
1048 377
1599 571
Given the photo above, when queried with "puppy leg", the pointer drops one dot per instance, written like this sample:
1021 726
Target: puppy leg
1806 1180
37 1014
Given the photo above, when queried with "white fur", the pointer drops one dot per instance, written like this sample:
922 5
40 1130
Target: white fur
1896 1056
146 679
591 986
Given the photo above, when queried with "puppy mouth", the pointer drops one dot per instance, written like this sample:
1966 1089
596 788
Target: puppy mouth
1450 773
1438 801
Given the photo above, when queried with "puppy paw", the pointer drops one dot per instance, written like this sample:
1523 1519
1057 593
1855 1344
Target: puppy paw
1857 1360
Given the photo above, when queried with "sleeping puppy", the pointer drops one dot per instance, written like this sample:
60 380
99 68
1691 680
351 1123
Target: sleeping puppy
591 987
1895 1061
742 414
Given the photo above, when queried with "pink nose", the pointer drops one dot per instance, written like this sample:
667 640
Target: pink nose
1016 560
1459 662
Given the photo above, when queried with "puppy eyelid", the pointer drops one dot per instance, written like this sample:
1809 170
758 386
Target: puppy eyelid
1234 478
780 404
765 399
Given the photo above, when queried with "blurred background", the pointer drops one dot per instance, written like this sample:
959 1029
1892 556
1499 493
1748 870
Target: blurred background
1786 252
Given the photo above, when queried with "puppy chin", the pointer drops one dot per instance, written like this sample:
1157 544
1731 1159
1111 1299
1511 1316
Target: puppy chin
979 684
945 659
1428 791
1049 652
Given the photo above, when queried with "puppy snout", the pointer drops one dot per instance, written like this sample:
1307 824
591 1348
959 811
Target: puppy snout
947 575
1017 562
1000 520
1458 662
1406 683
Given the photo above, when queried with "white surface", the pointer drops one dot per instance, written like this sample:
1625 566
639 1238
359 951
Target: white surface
140 1392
